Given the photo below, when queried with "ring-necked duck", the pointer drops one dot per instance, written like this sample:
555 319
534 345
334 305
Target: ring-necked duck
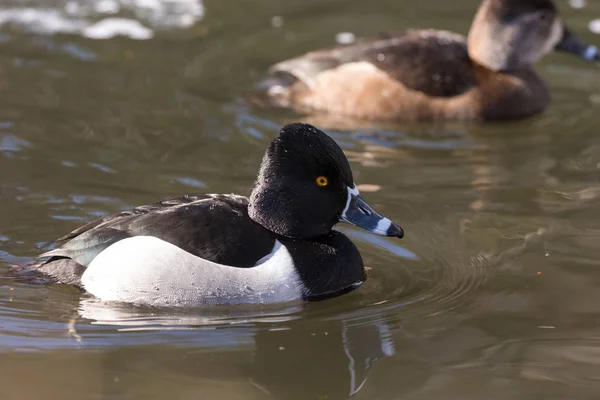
431 74
277 245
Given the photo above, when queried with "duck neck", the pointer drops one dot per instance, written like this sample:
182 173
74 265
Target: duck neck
488 44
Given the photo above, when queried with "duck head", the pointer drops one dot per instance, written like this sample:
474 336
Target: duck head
507 35
305 187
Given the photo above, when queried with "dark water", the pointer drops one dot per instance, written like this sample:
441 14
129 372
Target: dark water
493 294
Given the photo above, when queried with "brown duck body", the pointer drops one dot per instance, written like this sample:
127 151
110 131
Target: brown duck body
412 75
434 75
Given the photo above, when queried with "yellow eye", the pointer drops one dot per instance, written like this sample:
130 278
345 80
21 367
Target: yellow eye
322 181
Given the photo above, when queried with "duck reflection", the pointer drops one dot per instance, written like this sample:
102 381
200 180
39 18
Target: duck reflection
328 361
289 358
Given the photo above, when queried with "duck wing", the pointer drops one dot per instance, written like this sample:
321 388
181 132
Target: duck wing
430 61
213 227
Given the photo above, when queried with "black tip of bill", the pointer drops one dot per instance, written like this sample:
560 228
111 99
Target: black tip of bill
395 231
359 213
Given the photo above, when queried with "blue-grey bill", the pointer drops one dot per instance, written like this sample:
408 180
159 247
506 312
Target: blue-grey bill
573 45
359 213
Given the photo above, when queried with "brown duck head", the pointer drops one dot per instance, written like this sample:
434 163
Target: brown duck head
508 35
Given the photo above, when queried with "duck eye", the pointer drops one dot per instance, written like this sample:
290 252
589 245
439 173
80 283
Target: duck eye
322 181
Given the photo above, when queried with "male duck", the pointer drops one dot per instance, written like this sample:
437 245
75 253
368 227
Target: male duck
434 75
277 245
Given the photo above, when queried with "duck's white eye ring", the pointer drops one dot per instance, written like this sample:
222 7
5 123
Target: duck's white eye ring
322 181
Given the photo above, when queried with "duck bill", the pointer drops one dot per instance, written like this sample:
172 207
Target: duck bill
572 45
359 213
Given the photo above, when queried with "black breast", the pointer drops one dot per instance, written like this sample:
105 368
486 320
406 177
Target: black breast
328 266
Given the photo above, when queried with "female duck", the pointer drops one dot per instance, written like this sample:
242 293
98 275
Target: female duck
434 75
277 245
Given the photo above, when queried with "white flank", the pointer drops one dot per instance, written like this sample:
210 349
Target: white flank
147 270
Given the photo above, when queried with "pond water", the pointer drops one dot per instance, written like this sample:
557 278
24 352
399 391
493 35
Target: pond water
493 294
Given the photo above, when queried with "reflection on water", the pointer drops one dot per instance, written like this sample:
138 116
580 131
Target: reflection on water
283 355
128 318
493 293
283 348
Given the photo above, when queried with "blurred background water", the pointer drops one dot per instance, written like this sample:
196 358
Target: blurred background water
493 294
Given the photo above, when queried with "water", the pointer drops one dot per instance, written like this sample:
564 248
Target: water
493 293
